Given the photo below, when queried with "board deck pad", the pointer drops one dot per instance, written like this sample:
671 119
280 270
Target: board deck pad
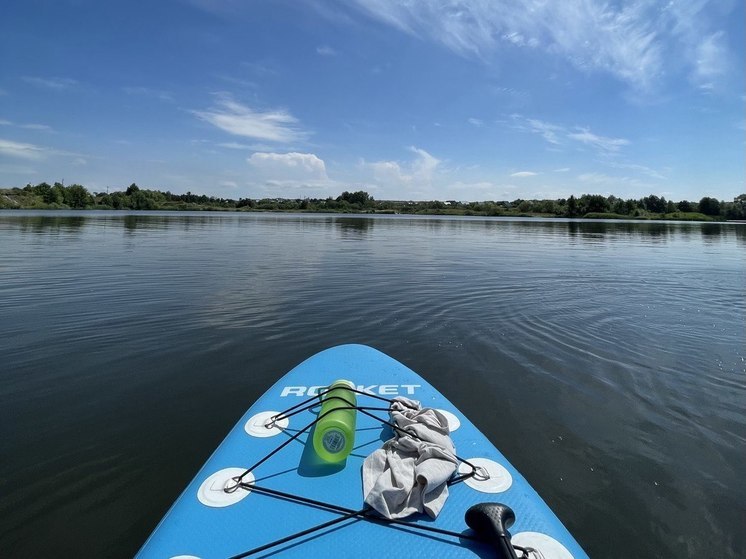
206 522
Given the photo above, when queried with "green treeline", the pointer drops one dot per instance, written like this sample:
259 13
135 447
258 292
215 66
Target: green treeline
58 196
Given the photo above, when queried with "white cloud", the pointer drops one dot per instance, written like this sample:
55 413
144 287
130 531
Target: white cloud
562 170
291 175
635 41
21 150
602 143
523 174
293 165
415 176
425 164
51 83
5 122
326 50
230 116
711 61
475 122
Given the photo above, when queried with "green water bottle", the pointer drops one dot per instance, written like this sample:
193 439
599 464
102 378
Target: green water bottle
334 435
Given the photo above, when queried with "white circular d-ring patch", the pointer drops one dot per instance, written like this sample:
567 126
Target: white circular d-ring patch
261 424
212 492
453 421
490 477
547 546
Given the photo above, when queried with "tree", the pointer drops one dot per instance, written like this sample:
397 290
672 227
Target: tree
653 204
76 196
141 201
131 189
685 206
709 206
56 195
360 197
42 189
738 208
594 203
572 207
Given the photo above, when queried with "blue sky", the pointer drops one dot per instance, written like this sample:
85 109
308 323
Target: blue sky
447 99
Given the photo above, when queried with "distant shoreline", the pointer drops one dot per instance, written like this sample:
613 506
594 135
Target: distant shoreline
588 206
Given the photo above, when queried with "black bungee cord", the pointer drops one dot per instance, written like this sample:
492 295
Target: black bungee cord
346 513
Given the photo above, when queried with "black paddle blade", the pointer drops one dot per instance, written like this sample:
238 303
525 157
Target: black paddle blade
491 522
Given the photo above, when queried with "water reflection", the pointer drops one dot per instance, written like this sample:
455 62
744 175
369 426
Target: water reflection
361 227
354 228
46 224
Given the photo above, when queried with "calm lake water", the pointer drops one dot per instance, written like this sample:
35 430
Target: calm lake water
605 359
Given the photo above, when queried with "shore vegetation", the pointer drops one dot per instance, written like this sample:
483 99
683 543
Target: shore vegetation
57 196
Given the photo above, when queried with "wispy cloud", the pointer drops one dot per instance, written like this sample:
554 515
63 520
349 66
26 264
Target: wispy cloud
30 126
264 68
51 83
612 182
562 170
523 174
275 125
149 92
475 122
250 147
711 61
21 150
634 41
558 135
602 143
41 127
700 45
642 169
326 50
546 130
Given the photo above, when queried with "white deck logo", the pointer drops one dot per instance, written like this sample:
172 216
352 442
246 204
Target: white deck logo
380 389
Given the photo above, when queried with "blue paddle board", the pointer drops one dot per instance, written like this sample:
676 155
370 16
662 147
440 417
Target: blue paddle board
214 519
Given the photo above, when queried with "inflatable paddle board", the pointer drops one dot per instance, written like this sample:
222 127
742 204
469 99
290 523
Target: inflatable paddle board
265 492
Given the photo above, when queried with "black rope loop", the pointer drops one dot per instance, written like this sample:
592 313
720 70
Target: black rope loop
345 513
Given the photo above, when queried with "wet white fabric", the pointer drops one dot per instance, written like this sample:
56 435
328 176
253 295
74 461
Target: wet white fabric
409 473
